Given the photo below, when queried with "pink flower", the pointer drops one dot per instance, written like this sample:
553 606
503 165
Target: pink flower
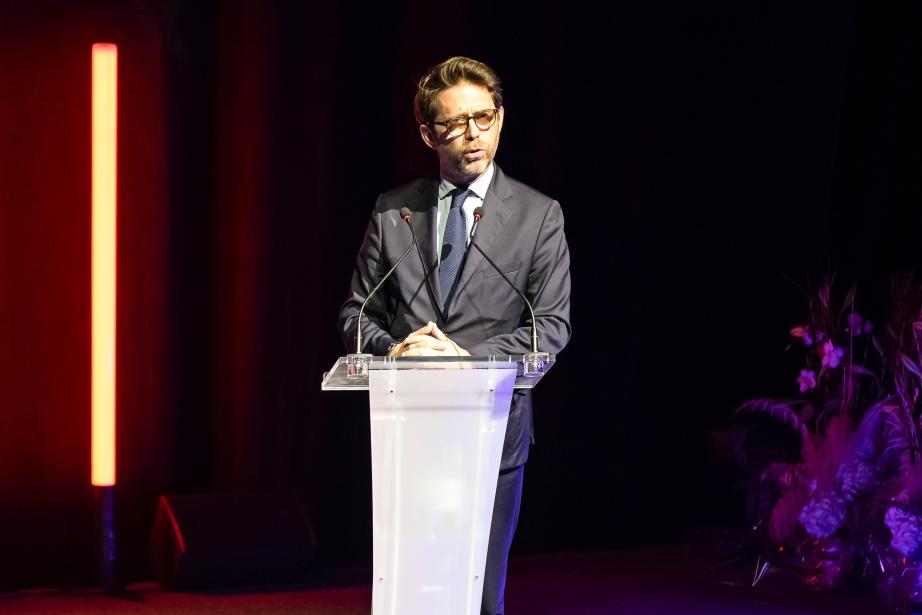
806 380
804 334
832 356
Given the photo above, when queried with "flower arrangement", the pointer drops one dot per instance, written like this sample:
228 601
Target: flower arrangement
835 475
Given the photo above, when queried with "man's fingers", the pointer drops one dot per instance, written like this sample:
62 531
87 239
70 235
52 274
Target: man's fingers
437 333
422 351
427 341
418 339
424 330
424 341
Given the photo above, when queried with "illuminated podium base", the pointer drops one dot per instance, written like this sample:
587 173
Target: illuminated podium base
437 432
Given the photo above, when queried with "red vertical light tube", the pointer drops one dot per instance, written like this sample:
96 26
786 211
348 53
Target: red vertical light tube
105 130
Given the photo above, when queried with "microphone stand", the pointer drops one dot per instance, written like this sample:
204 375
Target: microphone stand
534 362
357 362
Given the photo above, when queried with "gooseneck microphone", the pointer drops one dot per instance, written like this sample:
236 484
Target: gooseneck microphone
478 215
405 214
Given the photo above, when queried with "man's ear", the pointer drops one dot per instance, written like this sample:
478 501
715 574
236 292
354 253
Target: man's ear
428 138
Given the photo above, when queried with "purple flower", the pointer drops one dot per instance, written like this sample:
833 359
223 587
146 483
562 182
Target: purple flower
806 380
854 323
823 515
857 478
906 529
832 356
857 325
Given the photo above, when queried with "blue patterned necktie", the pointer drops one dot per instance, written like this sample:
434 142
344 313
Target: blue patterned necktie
454 245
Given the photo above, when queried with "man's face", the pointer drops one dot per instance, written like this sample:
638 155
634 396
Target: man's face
464 157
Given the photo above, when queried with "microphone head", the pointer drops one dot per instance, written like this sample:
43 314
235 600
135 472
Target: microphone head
405 214
478 213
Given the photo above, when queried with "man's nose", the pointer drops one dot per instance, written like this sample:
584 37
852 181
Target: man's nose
472 132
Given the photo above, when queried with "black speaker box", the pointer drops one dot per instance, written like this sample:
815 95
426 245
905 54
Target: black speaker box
231 540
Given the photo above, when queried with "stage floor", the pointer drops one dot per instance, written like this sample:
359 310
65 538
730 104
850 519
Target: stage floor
642 581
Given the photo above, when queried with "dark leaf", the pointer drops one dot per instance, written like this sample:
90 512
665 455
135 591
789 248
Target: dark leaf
911 365
806 413
780 411
881 437
880 349
768 431
860 370
849 303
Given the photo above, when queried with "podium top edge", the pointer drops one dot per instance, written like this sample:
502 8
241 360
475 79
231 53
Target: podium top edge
344 375
495 358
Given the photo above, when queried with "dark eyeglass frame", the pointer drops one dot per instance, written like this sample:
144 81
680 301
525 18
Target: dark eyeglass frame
467 122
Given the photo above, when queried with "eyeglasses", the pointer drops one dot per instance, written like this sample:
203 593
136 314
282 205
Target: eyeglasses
457 126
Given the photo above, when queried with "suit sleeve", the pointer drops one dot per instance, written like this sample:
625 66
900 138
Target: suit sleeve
548 289
369 269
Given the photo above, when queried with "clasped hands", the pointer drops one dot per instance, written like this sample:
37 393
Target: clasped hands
428 341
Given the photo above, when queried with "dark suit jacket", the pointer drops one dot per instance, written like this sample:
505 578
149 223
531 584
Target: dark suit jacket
521 231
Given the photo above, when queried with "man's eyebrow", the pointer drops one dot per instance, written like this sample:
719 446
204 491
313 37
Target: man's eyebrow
462 116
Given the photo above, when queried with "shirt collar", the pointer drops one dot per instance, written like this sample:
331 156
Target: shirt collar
479 186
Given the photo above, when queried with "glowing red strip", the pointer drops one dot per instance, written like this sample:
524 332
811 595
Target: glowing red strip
105 130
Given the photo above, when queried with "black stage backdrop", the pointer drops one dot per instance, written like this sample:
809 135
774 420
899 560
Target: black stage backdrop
705 156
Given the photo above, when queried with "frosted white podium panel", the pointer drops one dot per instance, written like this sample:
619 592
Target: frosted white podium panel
437 433
436 441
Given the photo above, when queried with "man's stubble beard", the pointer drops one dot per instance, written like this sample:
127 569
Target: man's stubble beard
463 169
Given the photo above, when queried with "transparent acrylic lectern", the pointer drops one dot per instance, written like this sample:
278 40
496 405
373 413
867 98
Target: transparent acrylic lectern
437 431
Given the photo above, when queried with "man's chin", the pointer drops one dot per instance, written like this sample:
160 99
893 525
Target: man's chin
472 170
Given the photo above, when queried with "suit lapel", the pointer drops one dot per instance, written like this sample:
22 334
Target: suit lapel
496 213
425 223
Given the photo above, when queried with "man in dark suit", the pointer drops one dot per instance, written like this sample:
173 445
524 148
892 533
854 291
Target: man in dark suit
464 307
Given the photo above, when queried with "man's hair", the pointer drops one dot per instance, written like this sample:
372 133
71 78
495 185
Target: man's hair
448 74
